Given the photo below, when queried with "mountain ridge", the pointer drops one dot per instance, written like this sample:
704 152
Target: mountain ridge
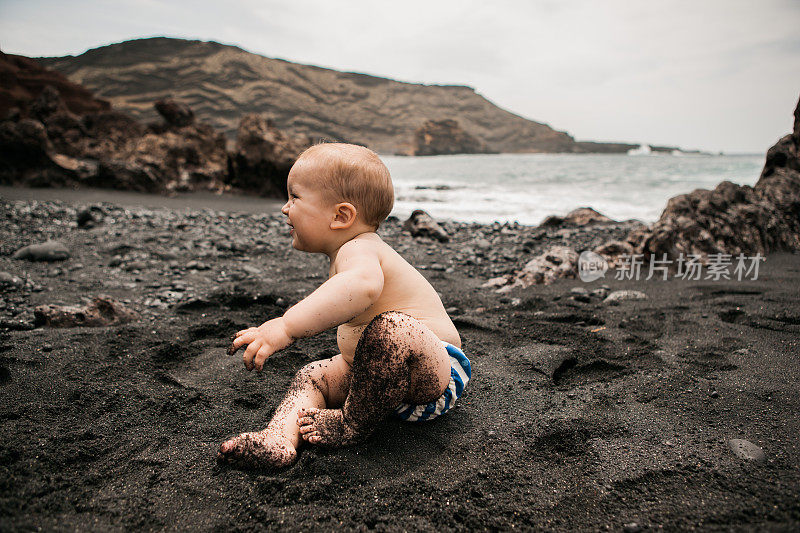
222 82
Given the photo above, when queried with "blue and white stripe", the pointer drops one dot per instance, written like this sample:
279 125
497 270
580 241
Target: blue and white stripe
460 374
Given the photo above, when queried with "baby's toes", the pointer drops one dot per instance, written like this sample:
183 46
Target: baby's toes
304 421
307 428
310 436
231 445
307 412
229 449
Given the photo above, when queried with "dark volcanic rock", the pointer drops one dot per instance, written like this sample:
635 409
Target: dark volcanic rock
101 311
583 216
556 263
263 157
421 224
614 251
109 149
48 103
176 114
25 151
444 137
24 79
733 219
191 157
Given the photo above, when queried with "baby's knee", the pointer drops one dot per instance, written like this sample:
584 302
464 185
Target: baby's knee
312 374
385 333
389 321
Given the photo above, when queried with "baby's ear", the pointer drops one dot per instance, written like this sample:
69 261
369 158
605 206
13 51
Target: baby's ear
344 216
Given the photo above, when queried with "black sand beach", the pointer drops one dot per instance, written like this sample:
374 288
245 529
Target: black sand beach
580 416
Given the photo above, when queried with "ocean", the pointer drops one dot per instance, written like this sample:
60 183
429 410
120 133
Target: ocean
528 187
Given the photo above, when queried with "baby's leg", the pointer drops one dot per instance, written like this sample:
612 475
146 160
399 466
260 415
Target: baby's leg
397 359
319 384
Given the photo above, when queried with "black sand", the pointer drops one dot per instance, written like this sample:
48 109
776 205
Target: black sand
579 416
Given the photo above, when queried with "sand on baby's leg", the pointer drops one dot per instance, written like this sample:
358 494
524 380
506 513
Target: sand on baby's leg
319 384
397 359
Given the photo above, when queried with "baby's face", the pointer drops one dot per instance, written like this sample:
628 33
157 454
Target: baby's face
308 209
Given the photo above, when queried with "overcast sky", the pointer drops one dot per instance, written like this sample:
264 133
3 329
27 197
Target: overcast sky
721 75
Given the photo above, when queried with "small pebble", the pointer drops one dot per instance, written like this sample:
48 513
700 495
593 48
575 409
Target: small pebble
744 449
46 251
619 296
9 280
579 291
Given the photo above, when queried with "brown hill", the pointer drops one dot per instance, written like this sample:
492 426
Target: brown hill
222 83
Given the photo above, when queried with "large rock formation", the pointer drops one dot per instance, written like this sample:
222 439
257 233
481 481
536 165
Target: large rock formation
56 147
22 80
582 216
421 224
733 219
184 154
444 137
222 83
48 141
263 156
556 263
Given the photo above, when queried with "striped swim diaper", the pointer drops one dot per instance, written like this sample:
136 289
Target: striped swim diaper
460 374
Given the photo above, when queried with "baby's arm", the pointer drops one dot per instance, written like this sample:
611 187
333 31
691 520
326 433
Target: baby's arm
357 284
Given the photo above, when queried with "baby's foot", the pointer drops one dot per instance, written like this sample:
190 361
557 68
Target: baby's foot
327 427
258 449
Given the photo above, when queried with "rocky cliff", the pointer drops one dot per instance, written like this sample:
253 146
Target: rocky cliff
731 219
222 83
50 139
22 79
444 137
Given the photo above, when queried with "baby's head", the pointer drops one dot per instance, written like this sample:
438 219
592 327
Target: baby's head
353 174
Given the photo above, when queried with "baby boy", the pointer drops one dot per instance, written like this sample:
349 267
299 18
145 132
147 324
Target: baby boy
400 352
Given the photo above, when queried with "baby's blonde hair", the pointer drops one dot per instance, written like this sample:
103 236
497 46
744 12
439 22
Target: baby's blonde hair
355 174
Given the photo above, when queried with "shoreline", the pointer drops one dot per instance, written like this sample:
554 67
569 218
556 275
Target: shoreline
186 200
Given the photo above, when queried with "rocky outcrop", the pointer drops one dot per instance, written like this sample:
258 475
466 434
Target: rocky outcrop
444 137
225 82
263 156
733 219
556 263
46 251
23 80
730 219
614 252
583 216
184 154
101 311
47 141
421 224
175 114
56 147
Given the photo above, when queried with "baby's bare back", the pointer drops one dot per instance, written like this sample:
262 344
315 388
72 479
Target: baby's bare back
404 290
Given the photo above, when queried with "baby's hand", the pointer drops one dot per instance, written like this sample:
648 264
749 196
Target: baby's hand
263 341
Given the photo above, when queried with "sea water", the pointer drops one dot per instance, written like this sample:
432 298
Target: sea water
528 187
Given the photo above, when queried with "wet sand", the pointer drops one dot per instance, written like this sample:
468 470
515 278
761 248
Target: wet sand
579 415
181 201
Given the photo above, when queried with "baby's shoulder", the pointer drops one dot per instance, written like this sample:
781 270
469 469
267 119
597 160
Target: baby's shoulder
362 248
